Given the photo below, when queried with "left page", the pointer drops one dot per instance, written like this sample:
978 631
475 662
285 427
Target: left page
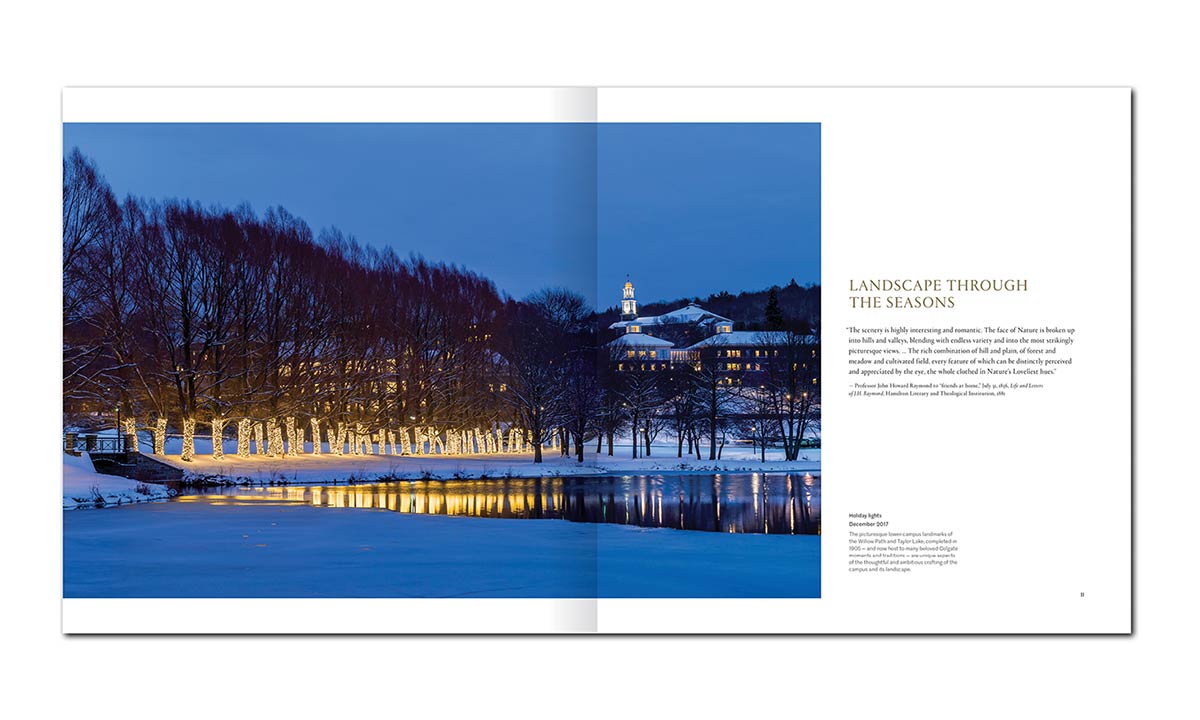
312 367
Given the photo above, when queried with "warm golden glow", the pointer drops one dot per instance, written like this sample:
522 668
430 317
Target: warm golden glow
189 440
160 434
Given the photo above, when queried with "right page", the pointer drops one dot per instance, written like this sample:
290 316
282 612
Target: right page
971 426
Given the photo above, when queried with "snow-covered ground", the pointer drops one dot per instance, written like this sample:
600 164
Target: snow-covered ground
83 486
326 468
205 550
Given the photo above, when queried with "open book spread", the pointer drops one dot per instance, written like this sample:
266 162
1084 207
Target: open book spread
639 360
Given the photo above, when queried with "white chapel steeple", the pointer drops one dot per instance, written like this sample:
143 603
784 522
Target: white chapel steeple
628 303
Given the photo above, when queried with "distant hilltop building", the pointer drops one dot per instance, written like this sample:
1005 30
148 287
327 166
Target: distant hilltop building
692 316
689 335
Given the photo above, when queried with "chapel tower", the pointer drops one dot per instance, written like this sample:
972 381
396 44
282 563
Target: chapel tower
628 303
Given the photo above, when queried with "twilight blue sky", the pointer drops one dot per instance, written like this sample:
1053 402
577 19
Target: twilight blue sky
684 209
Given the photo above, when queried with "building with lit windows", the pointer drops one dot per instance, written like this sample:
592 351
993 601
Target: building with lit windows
689 336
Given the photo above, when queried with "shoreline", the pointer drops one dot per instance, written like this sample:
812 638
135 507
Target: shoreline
203 471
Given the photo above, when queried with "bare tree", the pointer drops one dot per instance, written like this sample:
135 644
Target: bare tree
535 361
790 387
640 398
714 387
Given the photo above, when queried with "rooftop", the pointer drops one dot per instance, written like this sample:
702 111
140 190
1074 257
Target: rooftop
690 313
640 340
744 337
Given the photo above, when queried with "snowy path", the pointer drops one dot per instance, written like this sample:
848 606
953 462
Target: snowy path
192 550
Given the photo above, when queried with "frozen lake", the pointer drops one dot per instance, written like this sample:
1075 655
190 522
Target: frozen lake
743 535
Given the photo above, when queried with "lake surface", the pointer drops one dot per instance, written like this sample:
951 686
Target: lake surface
770 503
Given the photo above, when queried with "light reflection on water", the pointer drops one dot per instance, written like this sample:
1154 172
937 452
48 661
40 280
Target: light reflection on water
774 503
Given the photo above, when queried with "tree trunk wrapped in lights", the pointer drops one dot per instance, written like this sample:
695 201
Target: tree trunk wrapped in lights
160 434
259 445
189 440
274 438
419 444
357 439
405 448
335 439
243 428
131 430
218 435
316 435
293 437
436 442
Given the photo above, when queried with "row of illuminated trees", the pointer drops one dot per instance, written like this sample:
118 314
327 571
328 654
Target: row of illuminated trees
189 320
177 312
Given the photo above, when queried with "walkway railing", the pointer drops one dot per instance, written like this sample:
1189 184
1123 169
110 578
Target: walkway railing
108 445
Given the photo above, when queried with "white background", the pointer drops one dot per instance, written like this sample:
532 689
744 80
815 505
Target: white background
1144 45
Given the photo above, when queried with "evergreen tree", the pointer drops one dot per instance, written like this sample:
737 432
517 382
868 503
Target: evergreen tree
774 315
